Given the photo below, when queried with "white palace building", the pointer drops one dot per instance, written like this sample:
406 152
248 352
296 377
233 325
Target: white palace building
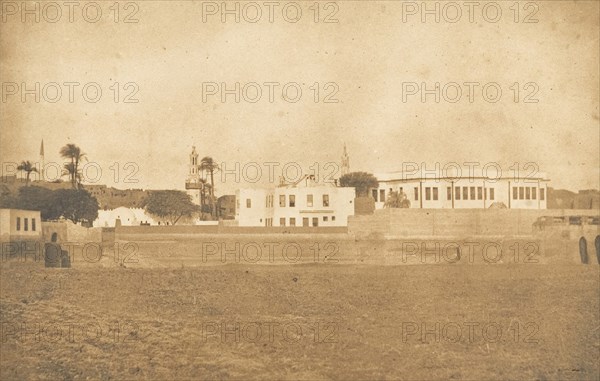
304 204
449 191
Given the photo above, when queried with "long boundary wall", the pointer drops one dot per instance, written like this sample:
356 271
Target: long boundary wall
453 223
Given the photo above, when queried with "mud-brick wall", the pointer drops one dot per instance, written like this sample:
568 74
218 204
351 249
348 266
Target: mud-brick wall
452 222
69 232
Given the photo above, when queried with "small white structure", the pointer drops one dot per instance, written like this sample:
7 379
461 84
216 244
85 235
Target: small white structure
127 216
453 190
18 225
292 205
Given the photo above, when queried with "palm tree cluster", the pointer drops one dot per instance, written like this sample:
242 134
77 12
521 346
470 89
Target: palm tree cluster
74 153
208 166
71 169
27 167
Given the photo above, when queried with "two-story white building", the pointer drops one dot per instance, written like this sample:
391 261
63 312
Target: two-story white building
453 191
309 205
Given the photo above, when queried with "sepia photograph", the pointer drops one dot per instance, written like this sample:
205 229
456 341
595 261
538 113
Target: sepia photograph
303 190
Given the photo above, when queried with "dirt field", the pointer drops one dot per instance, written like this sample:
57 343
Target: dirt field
301 322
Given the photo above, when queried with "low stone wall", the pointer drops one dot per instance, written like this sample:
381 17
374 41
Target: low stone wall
453 222
163 232
332 249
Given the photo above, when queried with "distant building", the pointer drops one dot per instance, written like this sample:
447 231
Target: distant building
454 192
111 198
564 199
20 225
126 216
292 205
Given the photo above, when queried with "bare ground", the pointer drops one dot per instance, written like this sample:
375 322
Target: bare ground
301 322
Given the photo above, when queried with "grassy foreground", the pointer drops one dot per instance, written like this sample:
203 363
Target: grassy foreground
301 322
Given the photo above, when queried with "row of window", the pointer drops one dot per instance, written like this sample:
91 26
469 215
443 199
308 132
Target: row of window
306 221
527 193
26 224
432 193
469 193
291 201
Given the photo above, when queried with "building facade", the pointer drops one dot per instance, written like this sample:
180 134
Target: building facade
20 225
307 206
459 192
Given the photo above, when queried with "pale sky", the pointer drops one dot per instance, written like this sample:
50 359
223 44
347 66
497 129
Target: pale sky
170 52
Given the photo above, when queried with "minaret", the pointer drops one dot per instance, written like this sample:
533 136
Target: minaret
42 162
192 183
345 162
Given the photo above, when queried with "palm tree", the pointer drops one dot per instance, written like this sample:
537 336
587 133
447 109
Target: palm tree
71 151
27 167
74 175
208 164
203 188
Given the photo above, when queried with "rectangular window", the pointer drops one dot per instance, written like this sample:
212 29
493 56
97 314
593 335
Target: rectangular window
325 218
309 200
33 223
282 221
465 193
472 193
457 193
382 195
435 193
26 224
325 200
427 193
315 221
292 221
492 194
542 194
375 194
292 201
534 193
18 223
521 193
449 193
248 203
528 193
332 218
416 194
515 193
480 193
305 221
282 200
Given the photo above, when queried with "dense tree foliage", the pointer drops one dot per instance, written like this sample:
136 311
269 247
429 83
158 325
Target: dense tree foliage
361 181
171 205
77 205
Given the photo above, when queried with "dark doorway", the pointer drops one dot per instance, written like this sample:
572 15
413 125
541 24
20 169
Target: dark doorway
583 250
